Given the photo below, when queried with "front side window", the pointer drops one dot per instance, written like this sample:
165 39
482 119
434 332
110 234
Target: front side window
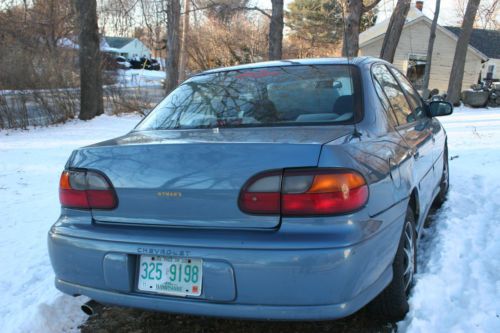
394 93
274 96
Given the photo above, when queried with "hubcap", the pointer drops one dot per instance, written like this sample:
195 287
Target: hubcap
409 255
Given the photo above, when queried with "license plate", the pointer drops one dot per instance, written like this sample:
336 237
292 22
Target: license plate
170 275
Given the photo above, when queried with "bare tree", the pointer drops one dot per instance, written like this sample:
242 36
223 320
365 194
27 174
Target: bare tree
430 48
173 44
457 70
488 14
185 31
91 103
353 10
118 16
394 30
225 9
276 30
152 26
213 43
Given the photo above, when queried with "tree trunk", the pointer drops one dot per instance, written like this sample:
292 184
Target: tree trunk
276 31
394 30
430 48
91 103
185 30
353 10
457 70
173 44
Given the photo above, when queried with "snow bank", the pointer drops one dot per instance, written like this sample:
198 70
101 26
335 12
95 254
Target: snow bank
458 284
30 165
140 77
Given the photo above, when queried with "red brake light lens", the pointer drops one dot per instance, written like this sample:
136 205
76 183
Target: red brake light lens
85 189
305 192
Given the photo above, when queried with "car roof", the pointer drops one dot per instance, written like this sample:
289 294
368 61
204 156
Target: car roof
294 62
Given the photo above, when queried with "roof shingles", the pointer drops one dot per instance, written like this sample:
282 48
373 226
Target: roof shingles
118 42
486 41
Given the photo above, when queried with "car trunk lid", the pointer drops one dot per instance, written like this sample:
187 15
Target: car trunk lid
192 178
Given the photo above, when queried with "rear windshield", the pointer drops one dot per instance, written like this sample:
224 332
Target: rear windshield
275 96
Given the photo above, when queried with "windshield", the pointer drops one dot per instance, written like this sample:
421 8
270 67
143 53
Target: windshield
274 96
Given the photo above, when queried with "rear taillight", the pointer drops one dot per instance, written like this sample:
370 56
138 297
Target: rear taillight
85 189
304 192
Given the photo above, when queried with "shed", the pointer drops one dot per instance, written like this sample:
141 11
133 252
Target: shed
411 52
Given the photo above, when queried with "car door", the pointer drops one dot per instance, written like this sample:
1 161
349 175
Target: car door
432 124
393 146
413 126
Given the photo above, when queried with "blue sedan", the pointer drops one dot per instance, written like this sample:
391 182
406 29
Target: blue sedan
288 190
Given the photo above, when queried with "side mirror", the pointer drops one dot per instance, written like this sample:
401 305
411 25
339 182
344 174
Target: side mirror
440 108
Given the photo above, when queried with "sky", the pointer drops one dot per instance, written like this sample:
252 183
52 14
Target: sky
447 14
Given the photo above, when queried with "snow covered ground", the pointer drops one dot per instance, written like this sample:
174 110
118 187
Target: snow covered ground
140 77
30 166
458 281
458 284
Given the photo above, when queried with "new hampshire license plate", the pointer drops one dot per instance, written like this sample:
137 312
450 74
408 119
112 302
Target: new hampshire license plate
170 275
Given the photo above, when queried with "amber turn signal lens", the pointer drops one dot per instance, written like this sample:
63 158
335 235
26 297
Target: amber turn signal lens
64 181
336 182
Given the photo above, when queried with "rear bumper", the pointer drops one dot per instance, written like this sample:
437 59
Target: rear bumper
230 310
238 282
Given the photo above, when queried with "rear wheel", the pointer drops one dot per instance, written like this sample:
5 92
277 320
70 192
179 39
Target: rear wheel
392 303
445 181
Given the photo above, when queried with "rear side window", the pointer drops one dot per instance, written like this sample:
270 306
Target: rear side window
385 102
414 99
273 96
394 93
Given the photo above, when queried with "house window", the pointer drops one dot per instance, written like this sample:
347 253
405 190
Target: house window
416 69
490 73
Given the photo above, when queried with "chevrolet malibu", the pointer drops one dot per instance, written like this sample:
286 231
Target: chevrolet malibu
289 190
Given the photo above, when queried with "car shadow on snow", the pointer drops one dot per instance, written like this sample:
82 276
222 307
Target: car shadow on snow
116 319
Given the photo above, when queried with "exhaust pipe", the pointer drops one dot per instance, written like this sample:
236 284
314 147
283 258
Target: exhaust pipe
91 308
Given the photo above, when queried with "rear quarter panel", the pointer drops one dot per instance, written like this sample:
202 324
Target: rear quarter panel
376 150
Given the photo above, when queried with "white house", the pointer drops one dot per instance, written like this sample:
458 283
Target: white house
411 52
125 46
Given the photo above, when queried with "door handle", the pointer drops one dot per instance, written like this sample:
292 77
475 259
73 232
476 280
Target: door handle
392 163
394 172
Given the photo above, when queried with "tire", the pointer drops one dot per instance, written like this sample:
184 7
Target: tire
392 303
444 186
